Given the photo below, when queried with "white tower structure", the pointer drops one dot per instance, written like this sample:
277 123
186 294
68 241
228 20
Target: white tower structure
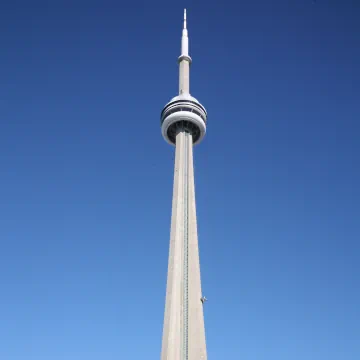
183 124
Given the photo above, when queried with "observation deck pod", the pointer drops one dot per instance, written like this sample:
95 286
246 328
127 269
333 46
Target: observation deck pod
183 112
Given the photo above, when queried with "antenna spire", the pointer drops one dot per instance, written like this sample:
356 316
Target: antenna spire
184 38
184 61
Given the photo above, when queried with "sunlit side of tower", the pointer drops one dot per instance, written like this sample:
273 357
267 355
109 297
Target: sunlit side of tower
183 124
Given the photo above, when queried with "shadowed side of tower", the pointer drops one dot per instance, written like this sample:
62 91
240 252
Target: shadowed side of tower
183 122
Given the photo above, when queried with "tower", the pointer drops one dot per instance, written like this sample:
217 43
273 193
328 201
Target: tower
183 124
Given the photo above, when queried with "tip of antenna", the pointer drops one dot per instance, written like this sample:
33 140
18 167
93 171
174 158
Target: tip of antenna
184 18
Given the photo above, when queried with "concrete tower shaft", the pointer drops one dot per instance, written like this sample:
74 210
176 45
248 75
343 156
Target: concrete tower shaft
184 330
183 124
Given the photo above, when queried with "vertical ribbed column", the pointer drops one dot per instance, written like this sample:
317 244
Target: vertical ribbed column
196 330
187 139
172 335
183 333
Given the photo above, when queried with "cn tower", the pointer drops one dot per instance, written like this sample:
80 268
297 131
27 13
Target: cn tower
183 124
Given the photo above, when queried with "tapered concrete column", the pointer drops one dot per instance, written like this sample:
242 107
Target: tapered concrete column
183 332
184 77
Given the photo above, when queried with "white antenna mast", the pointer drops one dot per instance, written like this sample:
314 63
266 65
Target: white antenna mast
184 61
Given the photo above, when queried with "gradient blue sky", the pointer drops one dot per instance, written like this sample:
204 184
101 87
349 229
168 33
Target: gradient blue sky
86 179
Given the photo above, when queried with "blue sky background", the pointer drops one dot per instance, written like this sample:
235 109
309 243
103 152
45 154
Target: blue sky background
86 179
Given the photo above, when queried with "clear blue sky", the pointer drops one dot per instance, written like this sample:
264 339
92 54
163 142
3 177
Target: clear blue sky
86 178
